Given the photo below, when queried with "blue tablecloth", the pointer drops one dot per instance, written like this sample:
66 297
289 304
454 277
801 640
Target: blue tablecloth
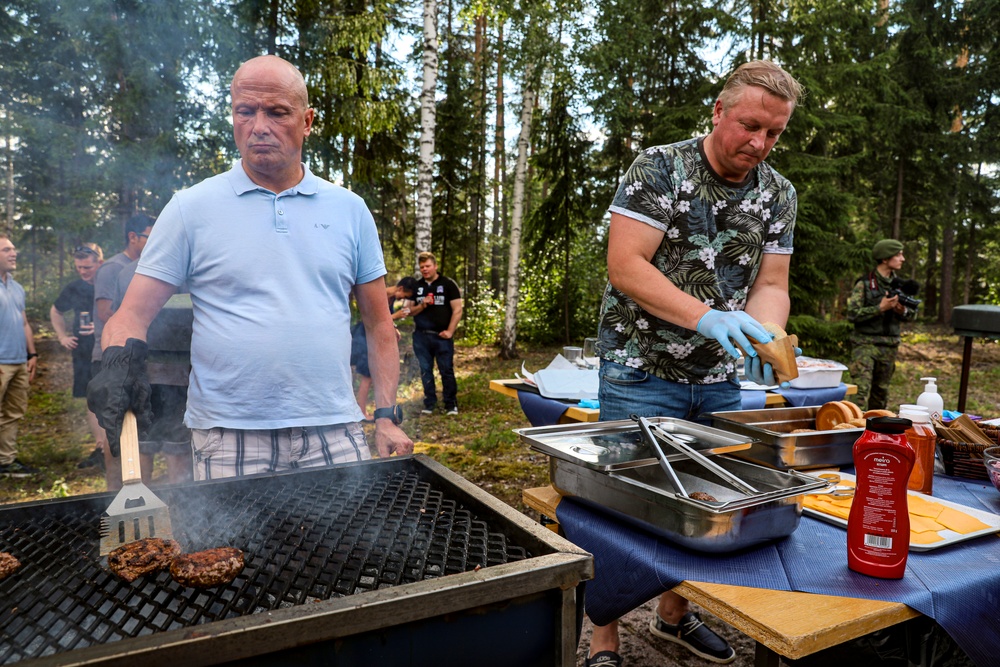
958 586
539 410
802 397
542 411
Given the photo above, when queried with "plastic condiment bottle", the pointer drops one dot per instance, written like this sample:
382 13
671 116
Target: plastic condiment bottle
878 527
931 399
923 439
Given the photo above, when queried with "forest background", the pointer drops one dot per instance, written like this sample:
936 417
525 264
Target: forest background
107 107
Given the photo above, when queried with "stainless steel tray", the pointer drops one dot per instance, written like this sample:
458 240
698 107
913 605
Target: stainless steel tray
735 521
616 445
774 445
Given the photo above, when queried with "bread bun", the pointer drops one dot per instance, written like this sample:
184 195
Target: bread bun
777 332
832 413
858 414
779 352
879 413
841 427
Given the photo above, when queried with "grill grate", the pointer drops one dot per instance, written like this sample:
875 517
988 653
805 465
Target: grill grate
305 538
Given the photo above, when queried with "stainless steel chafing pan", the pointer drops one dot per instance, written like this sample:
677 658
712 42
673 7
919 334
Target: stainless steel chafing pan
735 520
616 445
775 445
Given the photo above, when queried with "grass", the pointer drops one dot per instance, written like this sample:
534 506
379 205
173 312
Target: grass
478 444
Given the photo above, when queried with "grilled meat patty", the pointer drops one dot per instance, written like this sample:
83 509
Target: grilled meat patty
211 567
8 565
135 559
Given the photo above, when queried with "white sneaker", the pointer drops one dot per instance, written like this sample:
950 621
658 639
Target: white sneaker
453 411
425 411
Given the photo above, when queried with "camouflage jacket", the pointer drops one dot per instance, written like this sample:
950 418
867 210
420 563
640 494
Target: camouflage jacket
871 325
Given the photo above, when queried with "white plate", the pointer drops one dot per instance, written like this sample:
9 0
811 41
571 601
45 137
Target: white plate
950 536
753 386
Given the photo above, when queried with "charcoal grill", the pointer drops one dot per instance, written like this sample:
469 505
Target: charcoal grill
397 559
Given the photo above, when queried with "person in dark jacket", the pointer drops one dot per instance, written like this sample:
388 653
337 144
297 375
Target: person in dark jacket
876 315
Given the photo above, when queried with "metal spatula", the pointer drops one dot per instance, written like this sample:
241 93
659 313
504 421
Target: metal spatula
135 512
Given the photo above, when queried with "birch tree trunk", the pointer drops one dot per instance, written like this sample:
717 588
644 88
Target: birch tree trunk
428 120
508 337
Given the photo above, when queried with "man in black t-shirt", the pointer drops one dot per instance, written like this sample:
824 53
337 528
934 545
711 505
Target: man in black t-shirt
436 315
78 296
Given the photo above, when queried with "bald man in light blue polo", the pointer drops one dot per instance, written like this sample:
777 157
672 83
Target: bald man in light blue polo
270 253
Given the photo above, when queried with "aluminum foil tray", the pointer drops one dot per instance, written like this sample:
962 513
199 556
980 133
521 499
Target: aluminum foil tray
616 445
732 522
776 446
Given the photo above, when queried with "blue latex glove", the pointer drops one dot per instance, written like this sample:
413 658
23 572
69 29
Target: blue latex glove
730 327
759 372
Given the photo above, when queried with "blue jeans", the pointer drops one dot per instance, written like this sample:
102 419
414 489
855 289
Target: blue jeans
429 347
626 391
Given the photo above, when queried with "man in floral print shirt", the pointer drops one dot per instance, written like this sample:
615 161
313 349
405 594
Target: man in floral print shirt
698 255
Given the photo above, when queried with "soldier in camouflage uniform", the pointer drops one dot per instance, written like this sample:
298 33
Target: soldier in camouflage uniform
876 317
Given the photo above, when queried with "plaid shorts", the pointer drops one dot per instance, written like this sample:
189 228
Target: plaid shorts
223 452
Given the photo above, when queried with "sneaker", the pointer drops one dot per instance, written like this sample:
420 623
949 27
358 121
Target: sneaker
94 460
453 411
17 469
693 634
426 411
604 659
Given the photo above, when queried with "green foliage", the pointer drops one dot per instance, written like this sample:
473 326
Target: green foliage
456 145
540 308
565 214
482 317
822 339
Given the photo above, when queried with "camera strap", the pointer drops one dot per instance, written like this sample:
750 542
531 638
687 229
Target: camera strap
872 282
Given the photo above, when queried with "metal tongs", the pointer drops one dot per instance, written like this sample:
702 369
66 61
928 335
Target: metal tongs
654 435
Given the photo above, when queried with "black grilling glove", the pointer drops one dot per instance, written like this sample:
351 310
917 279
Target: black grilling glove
121 385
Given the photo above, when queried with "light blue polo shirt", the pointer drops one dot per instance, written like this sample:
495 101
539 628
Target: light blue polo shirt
13 347
270 279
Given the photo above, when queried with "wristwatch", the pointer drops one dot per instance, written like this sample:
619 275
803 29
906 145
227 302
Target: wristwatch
393 414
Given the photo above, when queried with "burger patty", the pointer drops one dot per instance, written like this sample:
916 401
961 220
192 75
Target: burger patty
211 567
8 565
135 559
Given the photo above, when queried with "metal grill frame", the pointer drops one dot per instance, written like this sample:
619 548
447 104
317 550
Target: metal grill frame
557 566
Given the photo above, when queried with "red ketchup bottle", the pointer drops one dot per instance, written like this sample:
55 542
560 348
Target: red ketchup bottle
878 528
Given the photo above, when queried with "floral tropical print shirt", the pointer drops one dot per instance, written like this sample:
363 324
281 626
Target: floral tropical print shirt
715 234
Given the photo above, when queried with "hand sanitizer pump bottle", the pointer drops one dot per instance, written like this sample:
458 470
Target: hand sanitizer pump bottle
931 399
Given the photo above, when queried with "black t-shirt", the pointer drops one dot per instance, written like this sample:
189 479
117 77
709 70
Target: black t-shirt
436 318
78 296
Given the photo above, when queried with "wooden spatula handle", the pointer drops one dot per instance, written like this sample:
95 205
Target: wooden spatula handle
131 472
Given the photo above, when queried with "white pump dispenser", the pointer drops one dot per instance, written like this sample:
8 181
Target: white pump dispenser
931 399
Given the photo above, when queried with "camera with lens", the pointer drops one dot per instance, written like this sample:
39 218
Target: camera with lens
906 290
